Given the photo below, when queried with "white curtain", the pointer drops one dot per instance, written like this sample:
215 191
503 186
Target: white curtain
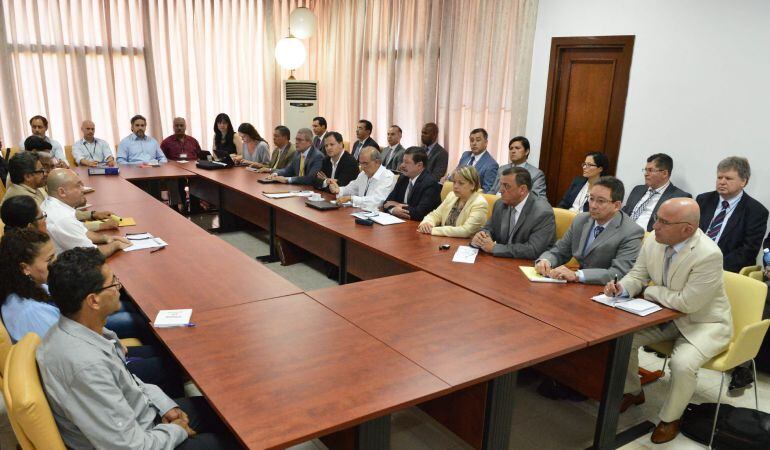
460 63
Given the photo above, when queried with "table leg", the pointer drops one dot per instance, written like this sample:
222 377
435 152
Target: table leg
499 412
273 256
343 269
614 380
374 434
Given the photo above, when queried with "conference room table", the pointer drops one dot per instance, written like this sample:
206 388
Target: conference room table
404 268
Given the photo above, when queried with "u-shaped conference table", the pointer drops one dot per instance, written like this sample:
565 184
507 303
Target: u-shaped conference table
282 366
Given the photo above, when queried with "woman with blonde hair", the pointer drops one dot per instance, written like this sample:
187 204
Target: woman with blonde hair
464 210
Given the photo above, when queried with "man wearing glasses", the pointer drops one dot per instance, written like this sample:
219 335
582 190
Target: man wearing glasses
27 177
306 163
371 187
604 241
685 268
645 199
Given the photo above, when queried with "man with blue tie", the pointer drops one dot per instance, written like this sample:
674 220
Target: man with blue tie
479 158
736 222
604 241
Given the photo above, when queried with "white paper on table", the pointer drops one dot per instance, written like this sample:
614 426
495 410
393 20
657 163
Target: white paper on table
278 195
465 254
381 218
172 318
142 244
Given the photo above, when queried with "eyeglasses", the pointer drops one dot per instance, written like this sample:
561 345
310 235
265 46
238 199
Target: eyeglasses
585 164
598 200
646 170
115 283
665 222
41 217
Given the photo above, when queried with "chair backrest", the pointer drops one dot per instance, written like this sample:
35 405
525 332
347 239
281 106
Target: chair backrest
68 154
28 409
564 218
5 343
491 199
12 151
346 146
2 191
446 189
747 299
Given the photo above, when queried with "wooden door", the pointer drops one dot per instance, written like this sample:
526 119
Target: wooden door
585 104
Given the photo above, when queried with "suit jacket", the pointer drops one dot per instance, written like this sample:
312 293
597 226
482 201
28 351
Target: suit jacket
612 253
398 155
357 146
3 169
320 146
537 175
486 166
534 232
471 218
424 197
572 192
347 171
313 162
284 159
638 192
742 234
438 161
694 286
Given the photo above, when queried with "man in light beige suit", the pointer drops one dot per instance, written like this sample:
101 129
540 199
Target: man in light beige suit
686 269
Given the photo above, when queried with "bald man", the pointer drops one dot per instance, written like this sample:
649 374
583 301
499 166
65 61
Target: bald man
371 187
685 266
65 193
91 151
180 146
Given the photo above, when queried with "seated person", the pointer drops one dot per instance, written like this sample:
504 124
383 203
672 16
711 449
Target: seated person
256 151
575 199
522 223
463 211
283 153
39 126
605 241
479 157
226 141
645 199
416 193
65 194
137 147
180 146
371 187
518 152
339 166
685 268
305 165
91 151
22 212
95 400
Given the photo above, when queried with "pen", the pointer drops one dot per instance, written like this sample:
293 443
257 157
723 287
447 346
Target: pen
616 286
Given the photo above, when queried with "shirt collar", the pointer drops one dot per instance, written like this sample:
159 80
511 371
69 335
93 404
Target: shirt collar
305 152
478 157
520 207
377 175
524 165
733 201
661 189
79 331
605 225
59 204
137 138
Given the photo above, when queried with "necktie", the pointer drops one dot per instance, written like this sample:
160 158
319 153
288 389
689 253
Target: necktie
512 225
302 165
368 182
317 142
585 206
278 159
642 206
597 231
590 241
669 253
716 224
473 159
408 191
390 156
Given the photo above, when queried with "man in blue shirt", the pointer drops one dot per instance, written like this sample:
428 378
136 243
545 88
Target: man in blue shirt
137 147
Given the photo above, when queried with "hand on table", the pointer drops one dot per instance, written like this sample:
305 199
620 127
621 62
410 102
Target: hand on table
108 224
612 289
543 267
425 228
563 273
483 241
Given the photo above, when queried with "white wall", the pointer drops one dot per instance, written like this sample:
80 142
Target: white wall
699 87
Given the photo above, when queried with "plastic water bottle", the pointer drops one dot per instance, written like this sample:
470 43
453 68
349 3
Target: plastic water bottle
766 257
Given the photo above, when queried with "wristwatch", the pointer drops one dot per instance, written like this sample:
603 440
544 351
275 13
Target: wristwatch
92 215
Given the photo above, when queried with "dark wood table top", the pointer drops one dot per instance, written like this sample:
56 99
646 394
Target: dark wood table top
457 335
286 370
565 306
171 169
201 273
110 188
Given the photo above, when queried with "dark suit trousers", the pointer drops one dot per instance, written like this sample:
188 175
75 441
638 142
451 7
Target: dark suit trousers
212 433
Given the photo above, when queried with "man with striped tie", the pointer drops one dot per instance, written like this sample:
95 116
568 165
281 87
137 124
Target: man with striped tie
736 222
645 199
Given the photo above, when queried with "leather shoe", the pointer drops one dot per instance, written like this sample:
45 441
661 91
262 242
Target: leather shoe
631 399
665 431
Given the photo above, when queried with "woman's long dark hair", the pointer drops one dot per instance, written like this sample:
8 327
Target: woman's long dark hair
20 245
224 143
249 130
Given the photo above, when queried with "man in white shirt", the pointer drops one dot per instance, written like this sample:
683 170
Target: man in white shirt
65 193
645 199
393 154
39 125
91 151
371 187
338 165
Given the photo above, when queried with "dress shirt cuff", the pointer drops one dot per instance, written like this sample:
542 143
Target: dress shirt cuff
178 434
624 293
325 184
581 277
159 399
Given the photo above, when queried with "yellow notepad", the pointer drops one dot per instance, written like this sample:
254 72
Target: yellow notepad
124 221
532 275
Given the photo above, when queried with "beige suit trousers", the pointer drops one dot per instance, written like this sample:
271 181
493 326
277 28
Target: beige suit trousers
683 363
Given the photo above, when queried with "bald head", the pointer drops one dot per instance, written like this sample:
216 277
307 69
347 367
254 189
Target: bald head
678 220
180 126
59 178
88 128
65 185
369 160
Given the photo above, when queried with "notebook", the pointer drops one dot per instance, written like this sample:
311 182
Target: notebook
168 318
323 205
638 306
532 275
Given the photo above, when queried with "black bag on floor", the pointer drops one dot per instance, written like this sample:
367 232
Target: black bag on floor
737 428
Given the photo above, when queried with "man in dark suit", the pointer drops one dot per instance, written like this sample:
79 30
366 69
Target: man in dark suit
416 192
605 241
319 133
394 152
338 165
306 163
438 158
364 136
522 225
645 199
479 157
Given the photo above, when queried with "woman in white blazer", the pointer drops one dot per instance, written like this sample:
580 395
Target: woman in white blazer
464 210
